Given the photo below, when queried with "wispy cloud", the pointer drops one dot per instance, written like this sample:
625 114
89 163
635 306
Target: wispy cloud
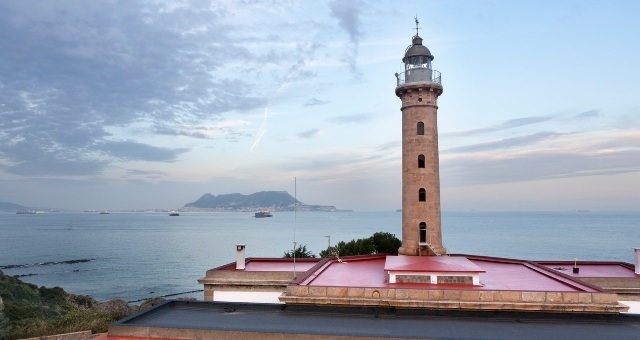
313 133
588 114
345 119
134 151
510 124
314 102
505 143
545 156
347 12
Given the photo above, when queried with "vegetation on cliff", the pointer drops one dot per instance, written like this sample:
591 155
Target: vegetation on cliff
27 310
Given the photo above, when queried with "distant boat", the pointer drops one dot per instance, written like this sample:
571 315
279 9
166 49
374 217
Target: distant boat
263 213
25 212
174 213
104 212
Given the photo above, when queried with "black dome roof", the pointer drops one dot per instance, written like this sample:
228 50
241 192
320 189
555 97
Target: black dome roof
417 49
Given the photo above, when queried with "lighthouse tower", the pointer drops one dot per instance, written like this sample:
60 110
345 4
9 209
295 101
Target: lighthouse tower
418 87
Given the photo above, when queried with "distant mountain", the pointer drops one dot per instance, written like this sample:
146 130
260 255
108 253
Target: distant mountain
6 206
272 200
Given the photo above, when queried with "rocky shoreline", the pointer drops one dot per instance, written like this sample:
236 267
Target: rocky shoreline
27 310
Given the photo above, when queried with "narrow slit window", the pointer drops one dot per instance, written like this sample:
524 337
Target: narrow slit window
421 161
423 233
422 195
420 128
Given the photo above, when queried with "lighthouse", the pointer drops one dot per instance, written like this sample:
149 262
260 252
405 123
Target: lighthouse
418 88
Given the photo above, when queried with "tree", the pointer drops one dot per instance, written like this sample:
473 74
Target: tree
300 252
378 243
386 243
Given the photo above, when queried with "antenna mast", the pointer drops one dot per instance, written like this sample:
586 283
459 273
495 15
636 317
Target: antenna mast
295 221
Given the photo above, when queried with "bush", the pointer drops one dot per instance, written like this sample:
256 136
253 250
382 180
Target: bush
28 311
378 243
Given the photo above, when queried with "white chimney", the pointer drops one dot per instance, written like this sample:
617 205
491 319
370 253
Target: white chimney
240 256
637 262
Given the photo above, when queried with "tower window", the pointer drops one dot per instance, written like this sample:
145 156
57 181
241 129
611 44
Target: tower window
420 128
421 161
422 195
423 233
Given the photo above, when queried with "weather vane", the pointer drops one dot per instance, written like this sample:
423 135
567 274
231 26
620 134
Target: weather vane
417 22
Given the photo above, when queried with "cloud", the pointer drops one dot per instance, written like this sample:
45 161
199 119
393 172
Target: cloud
509 124
313 133
588 114
134 151
347 12
545 156
315 101
153 174
505 143
72 75
358 118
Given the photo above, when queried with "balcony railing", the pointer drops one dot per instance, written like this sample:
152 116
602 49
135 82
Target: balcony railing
418 74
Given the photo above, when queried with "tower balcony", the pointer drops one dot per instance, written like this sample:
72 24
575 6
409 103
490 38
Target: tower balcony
418 74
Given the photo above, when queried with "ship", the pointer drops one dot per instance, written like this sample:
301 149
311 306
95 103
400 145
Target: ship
174 213
263 213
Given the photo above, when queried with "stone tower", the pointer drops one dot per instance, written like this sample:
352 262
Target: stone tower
418 87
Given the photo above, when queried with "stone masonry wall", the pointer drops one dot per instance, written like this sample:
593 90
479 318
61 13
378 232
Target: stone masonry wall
565 302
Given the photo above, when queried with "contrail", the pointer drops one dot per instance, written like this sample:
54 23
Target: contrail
265 122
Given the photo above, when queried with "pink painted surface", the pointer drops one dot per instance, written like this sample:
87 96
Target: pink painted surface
278 266
499 275
431 264
517 276
592 270
351 273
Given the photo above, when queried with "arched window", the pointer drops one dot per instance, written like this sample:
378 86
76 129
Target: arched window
422 195
421 161
420 128
423 233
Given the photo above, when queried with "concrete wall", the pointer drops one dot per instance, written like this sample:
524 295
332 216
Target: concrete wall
600 303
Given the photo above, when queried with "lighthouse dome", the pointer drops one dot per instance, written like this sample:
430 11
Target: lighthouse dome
416 49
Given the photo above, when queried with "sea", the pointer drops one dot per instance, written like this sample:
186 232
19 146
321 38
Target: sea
137 256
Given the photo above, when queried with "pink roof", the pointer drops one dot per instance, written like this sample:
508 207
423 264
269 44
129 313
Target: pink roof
431 264
499 274
256 265
591 269
264 264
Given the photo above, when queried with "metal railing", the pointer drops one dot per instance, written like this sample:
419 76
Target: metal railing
418 74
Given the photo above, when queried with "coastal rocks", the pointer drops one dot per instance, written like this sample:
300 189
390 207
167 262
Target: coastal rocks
151 303
116 306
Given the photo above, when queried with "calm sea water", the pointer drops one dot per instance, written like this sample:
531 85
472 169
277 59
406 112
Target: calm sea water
141 255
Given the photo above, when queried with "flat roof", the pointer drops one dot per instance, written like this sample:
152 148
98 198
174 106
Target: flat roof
256 265
593 269
184 319
266 264
444 264
499 274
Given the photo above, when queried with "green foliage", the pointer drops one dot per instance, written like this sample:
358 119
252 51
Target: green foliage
5 327
386 243
378 243
28 311
300 253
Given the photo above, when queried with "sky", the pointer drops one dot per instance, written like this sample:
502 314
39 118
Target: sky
113 104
